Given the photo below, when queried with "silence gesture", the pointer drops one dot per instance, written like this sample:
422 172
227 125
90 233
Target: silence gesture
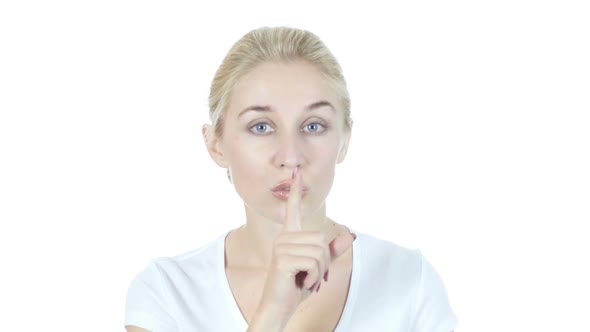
299 264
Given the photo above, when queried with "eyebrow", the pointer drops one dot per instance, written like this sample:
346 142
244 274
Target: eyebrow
311 107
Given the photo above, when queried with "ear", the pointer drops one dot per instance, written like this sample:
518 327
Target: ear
214 146
344 146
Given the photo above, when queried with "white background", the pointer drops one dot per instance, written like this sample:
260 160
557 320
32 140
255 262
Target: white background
471 142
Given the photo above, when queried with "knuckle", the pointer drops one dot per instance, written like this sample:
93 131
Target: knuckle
320 237
281 260
327 254
317 266
280 249
318 252
309 263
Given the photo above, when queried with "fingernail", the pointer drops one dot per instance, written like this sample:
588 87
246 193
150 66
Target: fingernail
318 289
354 236
326 275
295 172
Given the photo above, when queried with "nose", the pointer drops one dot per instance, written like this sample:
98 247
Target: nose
288 152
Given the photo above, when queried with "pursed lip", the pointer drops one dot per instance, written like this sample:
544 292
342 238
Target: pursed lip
287 185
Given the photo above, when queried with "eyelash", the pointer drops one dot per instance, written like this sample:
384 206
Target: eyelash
311 123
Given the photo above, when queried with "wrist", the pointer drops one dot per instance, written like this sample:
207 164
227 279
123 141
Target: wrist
267 319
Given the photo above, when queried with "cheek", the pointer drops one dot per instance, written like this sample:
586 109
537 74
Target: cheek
324 169
247 166
243 153
327 155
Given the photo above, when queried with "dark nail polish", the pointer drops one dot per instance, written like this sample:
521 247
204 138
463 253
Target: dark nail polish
318 289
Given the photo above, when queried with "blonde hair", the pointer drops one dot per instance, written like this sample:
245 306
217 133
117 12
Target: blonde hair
273 44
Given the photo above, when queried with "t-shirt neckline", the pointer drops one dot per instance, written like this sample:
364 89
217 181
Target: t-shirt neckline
350 299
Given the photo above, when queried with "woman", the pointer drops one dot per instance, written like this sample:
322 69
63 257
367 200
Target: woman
280 115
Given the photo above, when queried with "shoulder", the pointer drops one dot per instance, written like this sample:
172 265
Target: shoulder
387 254
405 273
195 263
153 295
403 269
382 245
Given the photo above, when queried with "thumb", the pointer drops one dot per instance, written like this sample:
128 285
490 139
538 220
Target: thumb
341 244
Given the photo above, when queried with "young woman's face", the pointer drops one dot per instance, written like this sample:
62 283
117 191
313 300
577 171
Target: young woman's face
281 116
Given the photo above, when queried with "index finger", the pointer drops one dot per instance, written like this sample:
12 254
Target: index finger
293 216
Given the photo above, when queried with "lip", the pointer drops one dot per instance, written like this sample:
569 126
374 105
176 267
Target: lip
280 191
286 184
284 195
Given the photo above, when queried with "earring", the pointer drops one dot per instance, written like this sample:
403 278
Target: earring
228 176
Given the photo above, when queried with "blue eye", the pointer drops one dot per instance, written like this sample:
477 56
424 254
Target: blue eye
263 128
314 127
259 128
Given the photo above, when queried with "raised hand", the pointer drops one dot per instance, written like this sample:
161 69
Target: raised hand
300 261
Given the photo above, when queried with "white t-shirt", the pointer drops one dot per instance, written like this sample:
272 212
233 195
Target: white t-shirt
392 289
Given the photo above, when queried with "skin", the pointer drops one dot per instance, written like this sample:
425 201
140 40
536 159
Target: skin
262 156
283 122
285 240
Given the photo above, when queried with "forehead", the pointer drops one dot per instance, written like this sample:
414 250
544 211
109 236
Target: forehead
283 86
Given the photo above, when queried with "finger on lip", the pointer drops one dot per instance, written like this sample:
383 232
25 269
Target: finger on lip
293 221
296 184
295 179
